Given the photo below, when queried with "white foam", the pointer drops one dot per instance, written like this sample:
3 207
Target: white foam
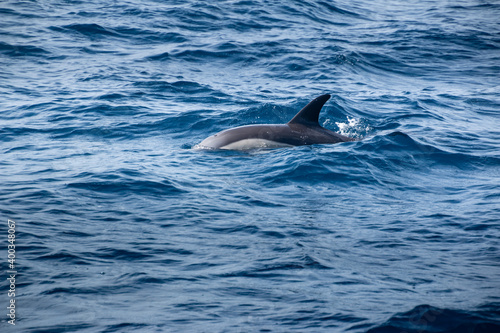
352 128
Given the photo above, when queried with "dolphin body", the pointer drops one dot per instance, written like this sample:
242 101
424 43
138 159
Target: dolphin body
303 129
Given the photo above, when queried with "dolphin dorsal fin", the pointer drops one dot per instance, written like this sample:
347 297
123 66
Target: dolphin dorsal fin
310 113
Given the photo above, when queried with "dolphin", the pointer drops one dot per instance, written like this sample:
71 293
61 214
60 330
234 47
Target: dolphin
303 129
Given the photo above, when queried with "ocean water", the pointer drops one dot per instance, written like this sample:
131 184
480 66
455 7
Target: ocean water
121 226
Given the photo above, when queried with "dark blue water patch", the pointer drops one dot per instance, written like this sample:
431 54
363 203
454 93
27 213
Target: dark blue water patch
148 37
316 319
483 106
59 328
64 132
337 9
8 11
112 97
129 187
196 19
105 109
161 56
401 144
314 171
90 30
470 39
320 12
235 55
22 50
75 233
21 11
376 62
186 87
64 256
427 319
174 251
116 288
62 121
248 24
98 49
248 229
273 270
125 327
118 254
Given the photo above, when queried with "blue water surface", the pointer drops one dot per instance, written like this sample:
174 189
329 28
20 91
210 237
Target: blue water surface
122 227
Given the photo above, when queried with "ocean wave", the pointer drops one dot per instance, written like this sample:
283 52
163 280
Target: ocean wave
425 318
130 187
22 50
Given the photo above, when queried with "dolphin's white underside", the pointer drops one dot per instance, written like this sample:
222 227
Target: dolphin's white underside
248 144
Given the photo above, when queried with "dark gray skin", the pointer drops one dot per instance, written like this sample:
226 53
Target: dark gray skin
303 129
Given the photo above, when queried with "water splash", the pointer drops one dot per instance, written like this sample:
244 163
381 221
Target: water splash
354 128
